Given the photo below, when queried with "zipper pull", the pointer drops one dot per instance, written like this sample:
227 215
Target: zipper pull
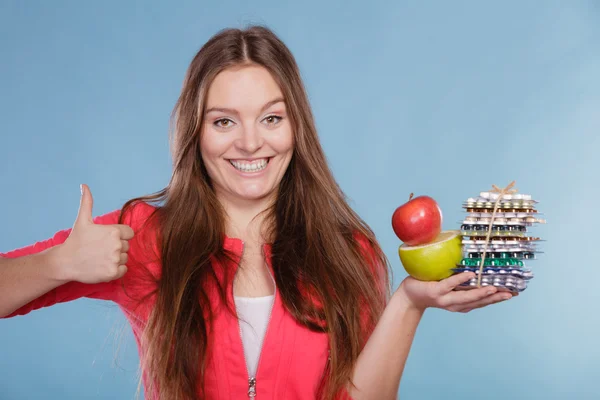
252 388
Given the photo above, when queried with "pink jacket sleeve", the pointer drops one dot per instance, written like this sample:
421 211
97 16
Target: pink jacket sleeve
71 290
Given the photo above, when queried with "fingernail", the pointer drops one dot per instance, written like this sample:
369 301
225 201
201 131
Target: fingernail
491 291
506 297
81 189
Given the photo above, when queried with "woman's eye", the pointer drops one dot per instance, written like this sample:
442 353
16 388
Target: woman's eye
224 123
272 119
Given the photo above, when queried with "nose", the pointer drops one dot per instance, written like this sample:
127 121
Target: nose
250 139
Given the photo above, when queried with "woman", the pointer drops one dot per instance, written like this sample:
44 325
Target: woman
249 274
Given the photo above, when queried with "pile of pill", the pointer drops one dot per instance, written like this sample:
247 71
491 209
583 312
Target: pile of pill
508 245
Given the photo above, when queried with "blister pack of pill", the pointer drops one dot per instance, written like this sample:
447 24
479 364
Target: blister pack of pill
496 233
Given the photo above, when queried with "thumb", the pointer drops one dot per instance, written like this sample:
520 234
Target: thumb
452 282
85 206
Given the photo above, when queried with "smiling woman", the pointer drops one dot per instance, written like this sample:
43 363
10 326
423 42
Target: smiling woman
249 275
246 127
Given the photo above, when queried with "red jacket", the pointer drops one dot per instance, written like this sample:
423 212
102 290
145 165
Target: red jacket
293 358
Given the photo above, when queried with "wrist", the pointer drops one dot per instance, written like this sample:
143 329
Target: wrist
401 298
55 261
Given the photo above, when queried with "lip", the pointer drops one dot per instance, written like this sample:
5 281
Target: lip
250 174
249 159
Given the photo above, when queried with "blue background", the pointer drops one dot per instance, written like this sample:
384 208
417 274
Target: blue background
437 98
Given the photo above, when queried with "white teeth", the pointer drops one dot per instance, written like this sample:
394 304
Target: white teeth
253 166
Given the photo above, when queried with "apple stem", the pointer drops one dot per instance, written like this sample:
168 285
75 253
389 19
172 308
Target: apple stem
411 196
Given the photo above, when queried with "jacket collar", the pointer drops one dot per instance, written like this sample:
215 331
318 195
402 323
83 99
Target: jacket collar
236 246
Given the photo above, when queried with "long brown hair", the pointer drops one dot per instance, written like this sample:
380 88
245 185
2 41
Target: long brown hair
315 249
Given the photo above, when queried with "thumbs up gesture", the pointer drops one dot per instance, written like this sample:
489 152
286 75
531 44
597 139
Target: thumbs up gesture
94 253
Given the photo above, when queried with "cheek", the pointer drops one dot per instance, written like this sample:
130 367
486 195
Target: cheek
211 146
283 142
211 150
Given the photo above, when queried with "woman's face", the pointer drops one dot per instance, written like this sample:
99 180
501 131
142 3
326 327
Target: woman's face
247 139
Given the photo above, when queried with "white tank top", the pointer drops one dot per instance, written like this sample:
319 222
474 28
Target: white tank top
254 314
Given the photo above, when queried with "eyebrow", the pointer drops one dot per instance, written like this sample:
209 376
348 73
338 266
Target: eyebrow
232 111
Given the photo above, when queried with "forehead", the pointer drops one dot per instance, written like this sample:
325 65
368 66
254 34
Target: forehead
243 87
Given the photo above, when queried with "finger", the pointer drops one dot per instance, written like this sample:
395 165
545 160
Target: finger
122 270
463 297
126 232
452 282
496 298
123 259
86 203
124 246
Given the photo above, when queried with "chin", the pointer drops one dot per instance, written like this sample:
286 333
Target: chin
253 195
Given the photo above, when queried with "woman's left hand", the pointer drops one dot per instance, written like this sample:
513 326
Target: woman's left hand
422 295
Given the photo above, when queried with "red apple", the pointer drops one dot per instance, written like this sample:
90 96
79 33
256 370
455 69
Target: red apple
418 221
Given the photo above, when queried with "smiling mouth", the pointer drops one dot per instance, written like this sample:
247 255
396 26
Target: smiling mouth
250 166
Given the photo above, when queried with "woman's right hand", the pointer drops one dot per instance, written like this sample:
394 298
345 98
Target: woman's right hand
93 253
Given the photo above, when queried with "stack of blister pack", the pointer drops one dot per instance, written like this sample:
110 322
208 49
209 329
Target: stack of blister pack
495 230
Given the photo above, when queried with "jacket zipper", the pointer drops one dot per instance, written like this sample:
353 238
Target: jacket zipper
252 380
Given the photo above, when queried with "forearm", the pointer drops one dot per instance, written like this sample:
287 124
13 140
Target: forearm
380 365
26 278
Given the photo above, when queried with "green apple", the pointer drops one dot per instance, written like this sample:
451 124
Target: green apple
432 261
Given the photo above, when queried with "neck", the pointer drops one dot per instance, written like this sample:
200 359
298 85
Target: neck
246 219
